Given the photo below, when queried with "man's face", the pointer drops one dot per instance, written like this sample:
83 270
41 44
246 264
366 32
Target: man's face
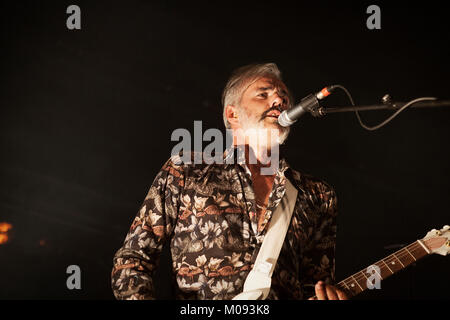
261 104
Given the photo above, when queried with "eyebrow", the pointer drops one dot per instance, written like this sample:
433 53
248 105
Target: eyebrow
281 90
265 88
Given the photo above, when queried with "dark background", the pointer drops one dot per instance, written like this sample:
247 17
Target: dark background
86 118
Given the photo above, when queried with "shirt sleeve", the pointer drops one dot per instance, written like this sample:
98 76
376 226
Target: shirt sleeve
318 258
135 262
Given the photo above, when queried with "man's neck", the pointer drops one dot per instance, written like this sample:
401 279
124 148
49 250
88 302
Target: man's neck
257 157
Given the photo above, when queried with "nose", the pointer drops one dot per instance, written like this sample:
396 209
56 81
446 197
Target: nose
279 101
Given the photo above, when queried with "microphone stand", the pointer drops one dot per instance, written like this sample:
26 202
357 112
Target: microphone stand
387 104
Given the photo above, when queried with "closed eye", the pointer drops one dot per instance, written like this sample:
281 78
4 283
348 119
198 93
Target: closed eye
263 95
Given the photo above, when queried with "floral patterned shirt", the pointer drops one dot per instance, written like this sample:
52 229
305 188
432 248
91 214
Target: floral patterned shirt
207 214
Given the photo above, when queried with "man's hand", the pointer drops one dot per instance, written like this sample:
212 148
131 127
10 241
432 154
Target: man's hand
328 292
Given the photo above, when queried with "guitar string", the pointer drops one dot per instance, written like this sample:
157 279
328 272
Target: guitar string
358 276
394 256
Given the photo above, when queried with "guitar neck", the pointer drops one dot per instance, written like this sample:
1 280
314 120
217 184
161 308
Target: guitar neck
384 268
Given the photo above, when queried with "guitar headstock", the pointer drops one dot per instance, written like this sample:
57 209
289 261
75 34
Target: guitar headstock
438 241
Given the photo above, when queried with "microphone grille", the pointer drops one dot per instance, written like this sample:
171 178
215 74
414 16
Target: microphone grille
284 120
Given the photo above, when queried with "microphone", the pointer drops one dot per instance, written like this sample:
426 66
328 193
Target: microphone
310 103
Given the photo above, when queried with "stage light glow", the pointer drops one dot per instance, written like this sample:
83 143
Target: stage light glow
4 228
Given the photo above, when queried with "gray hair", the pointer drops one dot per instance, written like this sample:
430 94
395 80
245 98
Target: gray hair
232 93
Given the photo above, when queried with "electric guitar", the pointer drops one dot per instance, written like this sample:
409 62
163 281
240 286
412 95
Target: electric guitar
436 241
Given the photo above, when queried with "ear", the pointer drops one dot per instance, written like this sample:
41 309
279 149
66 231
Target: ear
232 116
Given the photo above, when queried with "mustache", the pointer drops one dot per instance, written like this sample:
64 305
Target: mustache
264 114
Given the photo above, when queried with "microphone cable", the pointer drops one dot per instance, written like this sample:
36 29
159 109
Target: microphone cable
389 119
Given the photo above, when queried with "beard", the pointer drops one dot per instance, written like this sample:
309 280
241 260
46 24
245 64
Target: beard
265 126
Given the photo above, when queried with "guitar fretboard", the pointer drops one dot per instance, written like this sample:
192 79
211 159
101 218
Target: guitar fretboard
393 263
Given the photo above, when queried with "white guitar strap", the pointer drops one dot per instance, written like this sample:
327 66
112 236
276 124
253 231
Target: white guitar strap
257 284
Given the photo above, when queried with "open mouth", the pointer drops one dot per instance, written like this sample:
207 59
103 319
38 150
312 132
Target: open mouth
273 114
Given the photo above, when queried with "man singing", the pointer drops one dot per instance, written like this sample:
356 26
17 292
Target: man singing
215 215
